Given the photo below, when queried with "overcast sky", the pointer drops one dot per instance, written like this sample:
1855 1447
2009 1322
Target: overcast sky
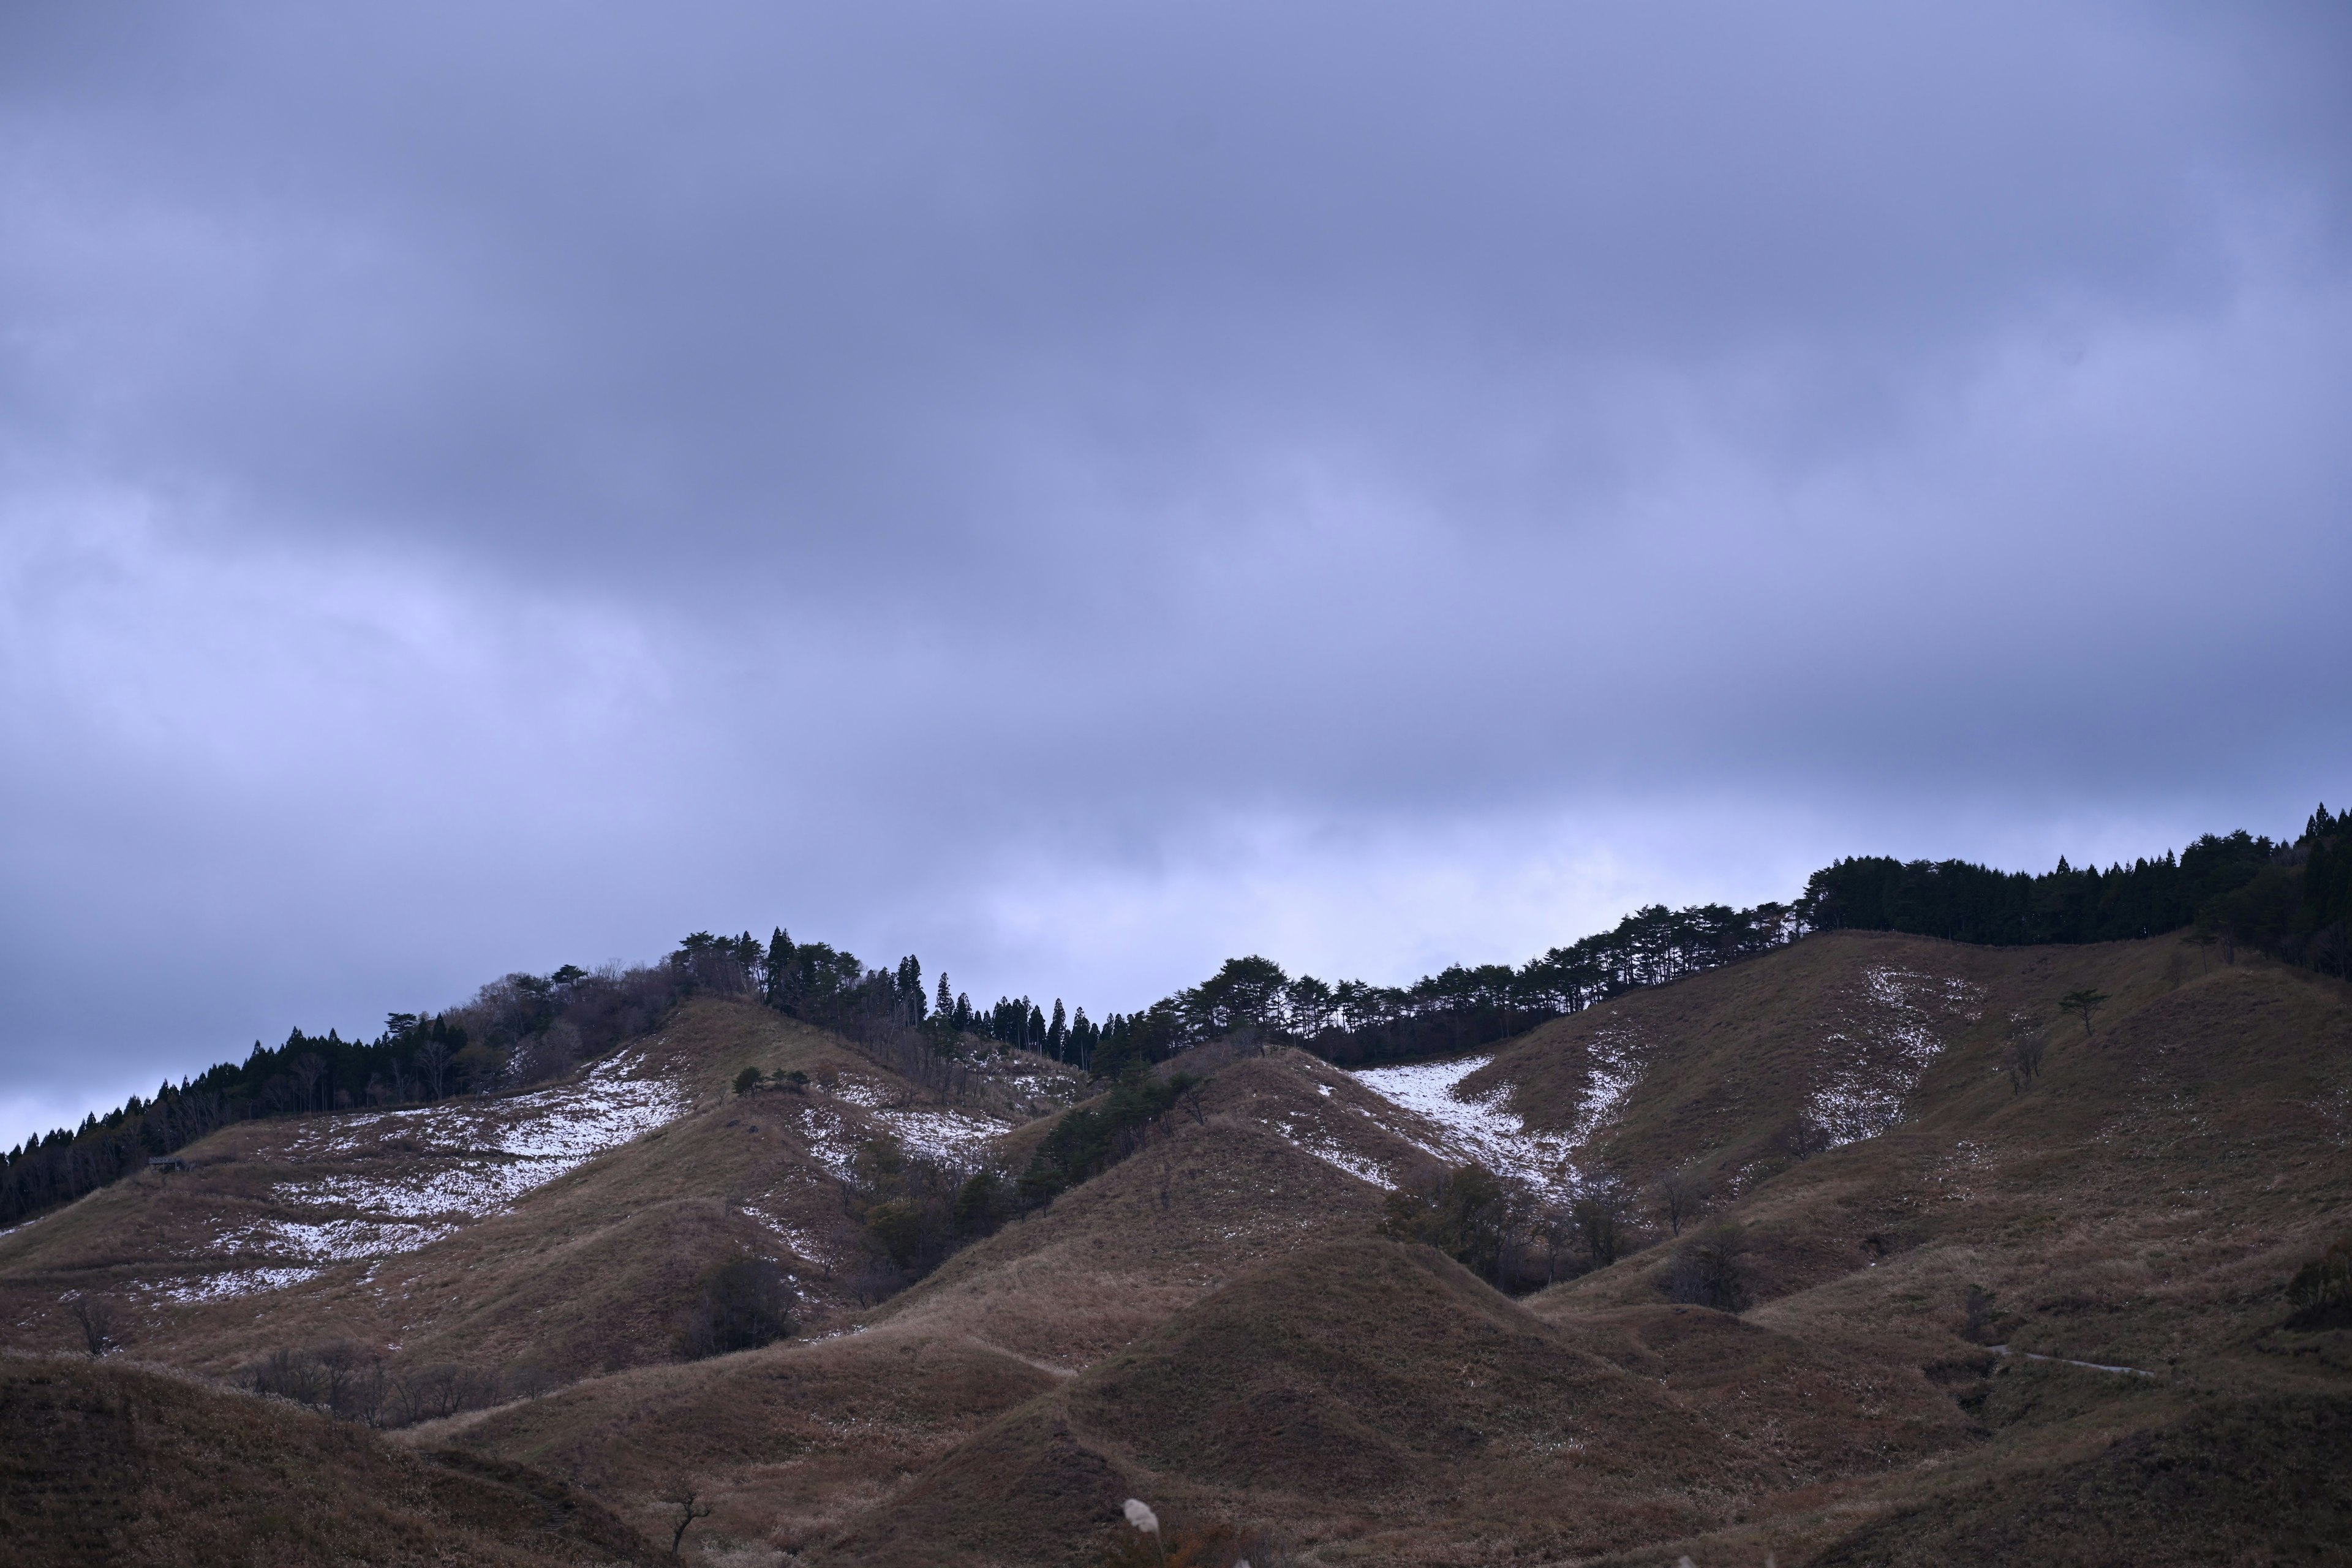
1074 491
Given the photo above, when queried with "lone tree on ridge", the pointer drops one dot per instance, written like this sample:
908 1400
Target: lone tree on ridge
2085 1001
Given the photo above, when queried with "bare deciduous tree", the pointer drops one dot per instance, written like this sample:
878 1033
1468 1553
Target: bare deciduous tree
95 1316
1601 1213
687 1505
307 1070
433 1063
1680 1196
1710 1270
2027 1047
1554 1230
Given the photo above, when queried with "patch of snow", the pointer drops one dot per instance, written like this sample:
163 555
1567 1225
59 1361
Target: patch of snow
1616 1069
1874 1069
1330 1153
864 1093
233 1283
1474 1130
831 1141
471 1159
802 1244
568 1123
333 1240
952 1137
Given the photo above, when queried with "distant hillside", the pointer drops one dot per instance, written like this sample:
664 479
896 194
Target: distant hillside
2289 900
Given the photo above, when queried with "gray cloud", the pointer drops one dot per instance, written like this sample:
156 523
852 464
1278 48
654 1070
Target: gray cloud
1074 493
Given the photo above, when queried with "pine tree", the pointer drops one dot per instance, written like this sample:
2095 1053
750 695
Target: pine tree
909 984
1055 1032
777 980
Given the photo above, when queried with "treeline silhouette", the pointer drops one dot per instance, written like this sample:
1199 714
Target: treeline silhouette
516 1031
2289 899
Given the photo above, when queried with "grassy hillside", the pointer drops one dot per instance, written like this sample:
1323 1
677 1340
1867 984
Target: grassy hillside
1213 1323
110 1463
585 1272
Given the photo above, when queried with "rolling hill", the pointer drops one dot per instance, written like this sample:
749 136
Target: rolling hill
1993 1273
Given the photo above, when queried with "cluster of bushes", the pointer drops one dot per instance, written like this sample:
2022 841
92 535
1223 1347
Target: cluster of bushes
360 1384
1506 1234
1091 1139
2321 1291
916 1213
738 1305
1710 1270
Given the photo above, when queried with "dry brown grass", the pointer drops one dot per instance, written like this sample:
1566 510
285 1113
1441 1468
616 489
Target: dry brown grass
790 1441
110 1463
585 1274
1209 1324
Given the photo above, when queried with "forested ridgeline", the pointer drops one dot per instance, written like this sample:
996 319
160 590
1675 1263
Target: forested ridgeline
2291 900
517 1031
2239 889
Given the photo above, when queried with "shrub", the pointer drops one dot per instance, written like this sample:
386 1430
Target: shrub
1979 1314
747 1080
982 1203
1602 1216
738 1305
96 1318
1461 1213
1087 1142
2321 1290
1710 1270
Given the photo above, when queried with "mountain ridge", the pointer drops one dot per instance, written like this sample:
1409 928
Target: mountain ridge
2140 1199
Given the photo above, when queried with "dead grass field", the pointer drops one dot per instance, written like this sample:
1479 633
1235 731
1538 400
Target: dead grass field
1212 1325
114 1463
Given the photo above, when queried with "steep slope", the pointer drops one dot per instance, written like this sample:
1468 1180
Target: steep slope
2139 1203
1211 1196
551 1235
118 1464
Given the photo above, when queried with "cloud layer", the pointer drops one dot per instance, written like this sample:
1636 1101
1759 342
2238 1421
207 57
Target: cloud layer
1074 493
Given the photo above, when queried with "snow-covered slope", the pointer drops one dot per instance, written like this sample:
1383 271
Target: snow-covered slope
379 1184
